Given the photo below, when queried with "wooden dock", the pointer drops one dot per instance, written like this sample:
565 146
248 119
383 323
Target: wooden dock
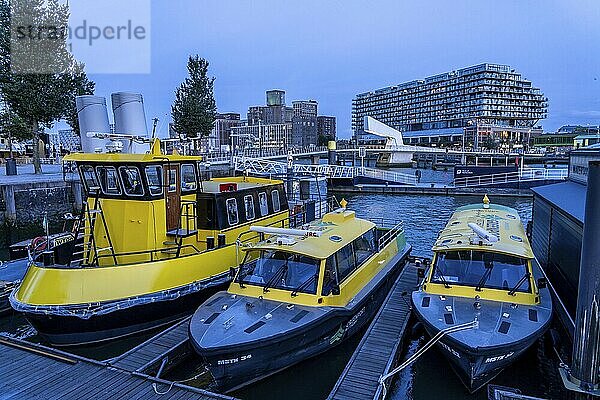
33 371
376 352
159 353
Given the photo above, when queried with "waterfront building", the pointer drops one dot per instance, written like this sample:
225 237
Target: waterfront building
305 108
326 129
555 141
489 105
263 136
275 112
275 97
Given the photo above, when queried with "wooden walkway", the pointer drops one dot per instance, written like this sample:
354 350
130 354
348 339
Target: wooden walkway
33 371
378 348
169 346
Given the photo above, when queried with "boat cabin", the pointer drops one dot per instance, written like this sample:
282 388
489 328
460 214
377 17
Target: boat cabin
483 251
144 207
325 263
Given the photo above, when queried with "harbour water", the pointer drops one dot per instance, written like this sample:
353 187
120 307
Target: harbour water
429 378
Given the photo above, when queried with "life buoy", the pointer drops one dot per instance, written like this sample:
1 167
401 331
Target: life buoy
38 244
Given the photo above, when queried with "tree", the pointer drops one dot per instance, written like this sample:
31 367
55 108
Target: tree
12 127
194 109
40 82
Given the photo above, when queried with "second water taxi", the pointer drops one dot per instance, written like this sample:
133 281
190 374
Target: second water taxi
485 290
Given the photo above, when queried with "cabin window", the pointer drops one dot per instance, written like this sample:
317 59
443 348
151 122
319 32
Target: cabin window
275 200
364 246
262 202
132 181
481 269
249 207
346 262
188 177
89 177
329 276
280 270
154 175
232 212
109 180
172 180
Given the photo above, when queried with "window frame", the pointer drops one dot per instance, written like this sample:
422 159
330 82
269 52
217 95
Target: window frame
341 278
275 195
248 218
160 175
124 167
264 194
117 183
237 216
193 167
85 181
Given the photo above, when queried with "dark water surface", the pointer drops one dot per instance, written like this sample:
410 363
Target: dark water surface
428 378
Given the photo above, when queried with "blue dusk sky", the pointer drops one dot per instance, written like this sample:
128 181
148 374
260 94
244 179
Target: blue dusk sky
331 50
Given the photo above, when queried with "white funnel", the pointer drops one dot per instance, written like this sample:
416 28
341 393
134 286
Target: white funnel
93 117
130 119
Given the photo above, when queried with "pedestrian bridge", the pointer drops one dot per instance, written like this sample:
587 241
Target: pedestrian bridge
260 166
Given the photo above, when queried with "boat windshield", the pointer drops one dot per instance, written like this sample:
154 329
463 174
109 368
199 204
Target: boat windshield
481 270
279 270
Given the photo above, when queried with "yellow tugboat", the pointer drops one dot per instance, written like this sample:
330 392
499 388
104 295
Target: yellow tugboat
483 270
153 241
297 294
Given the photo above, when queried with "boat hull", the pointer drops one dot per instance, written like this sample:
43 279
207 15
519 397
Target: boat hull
475 367
70 330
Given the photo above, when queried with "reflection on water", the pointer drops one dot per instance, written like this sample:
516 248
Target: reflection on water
429 378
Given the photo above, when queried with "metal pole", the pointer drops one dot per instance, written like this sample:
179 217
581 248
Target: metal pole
583 376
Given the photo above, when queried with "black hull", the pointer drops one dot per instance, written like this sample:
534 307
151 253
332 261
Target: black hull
63 330
475 367
236 366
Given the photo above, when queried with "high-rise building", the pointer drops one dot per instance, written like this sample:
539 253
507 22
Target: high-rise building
304 123
325 128
275 97
488 104
305 108
275 112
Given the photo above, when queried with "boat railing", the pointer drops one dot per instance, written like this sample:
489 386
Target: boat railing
392 228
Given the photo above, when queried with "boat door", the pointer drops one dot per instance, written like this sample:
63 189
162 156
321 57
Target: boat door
173 196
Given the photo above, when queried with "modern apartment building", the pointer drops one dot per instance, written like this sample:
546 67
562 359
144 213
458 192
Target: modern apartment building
326 129
490 105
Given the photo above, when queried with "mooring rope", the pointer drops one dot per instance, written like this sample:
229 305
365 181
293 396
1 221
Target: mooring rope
174 382
421 351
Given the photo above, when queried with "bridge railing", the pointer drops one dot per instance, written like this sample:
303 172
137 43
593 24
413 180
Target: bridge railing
269 167
529 174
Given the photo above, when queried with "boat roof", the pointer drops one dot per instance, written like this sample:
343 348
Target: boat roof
503 222
154 155
338 229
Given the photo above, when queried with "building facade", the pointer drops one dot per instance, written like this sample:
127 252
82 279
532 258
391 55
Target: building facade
326 129
490 105
304 123
264 136
222 130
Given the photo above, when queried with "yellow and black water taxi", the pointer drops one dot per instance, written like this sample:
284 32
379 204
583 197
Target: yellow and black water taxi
297 293
154 241
483 270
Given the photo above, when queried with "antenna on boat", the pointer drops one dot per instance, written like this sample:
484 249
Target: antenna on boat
483 233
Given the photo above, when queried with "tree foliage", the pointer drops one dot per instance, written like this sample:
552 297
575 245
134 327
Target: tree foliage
194 109
46 91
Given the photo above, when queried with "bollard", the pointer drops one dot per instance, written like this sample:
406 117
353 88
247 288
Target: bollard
220 240
331 152
8 192
583 375
210 242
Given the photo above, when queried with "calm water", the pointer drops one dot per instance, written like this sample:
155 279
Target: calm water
429 378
